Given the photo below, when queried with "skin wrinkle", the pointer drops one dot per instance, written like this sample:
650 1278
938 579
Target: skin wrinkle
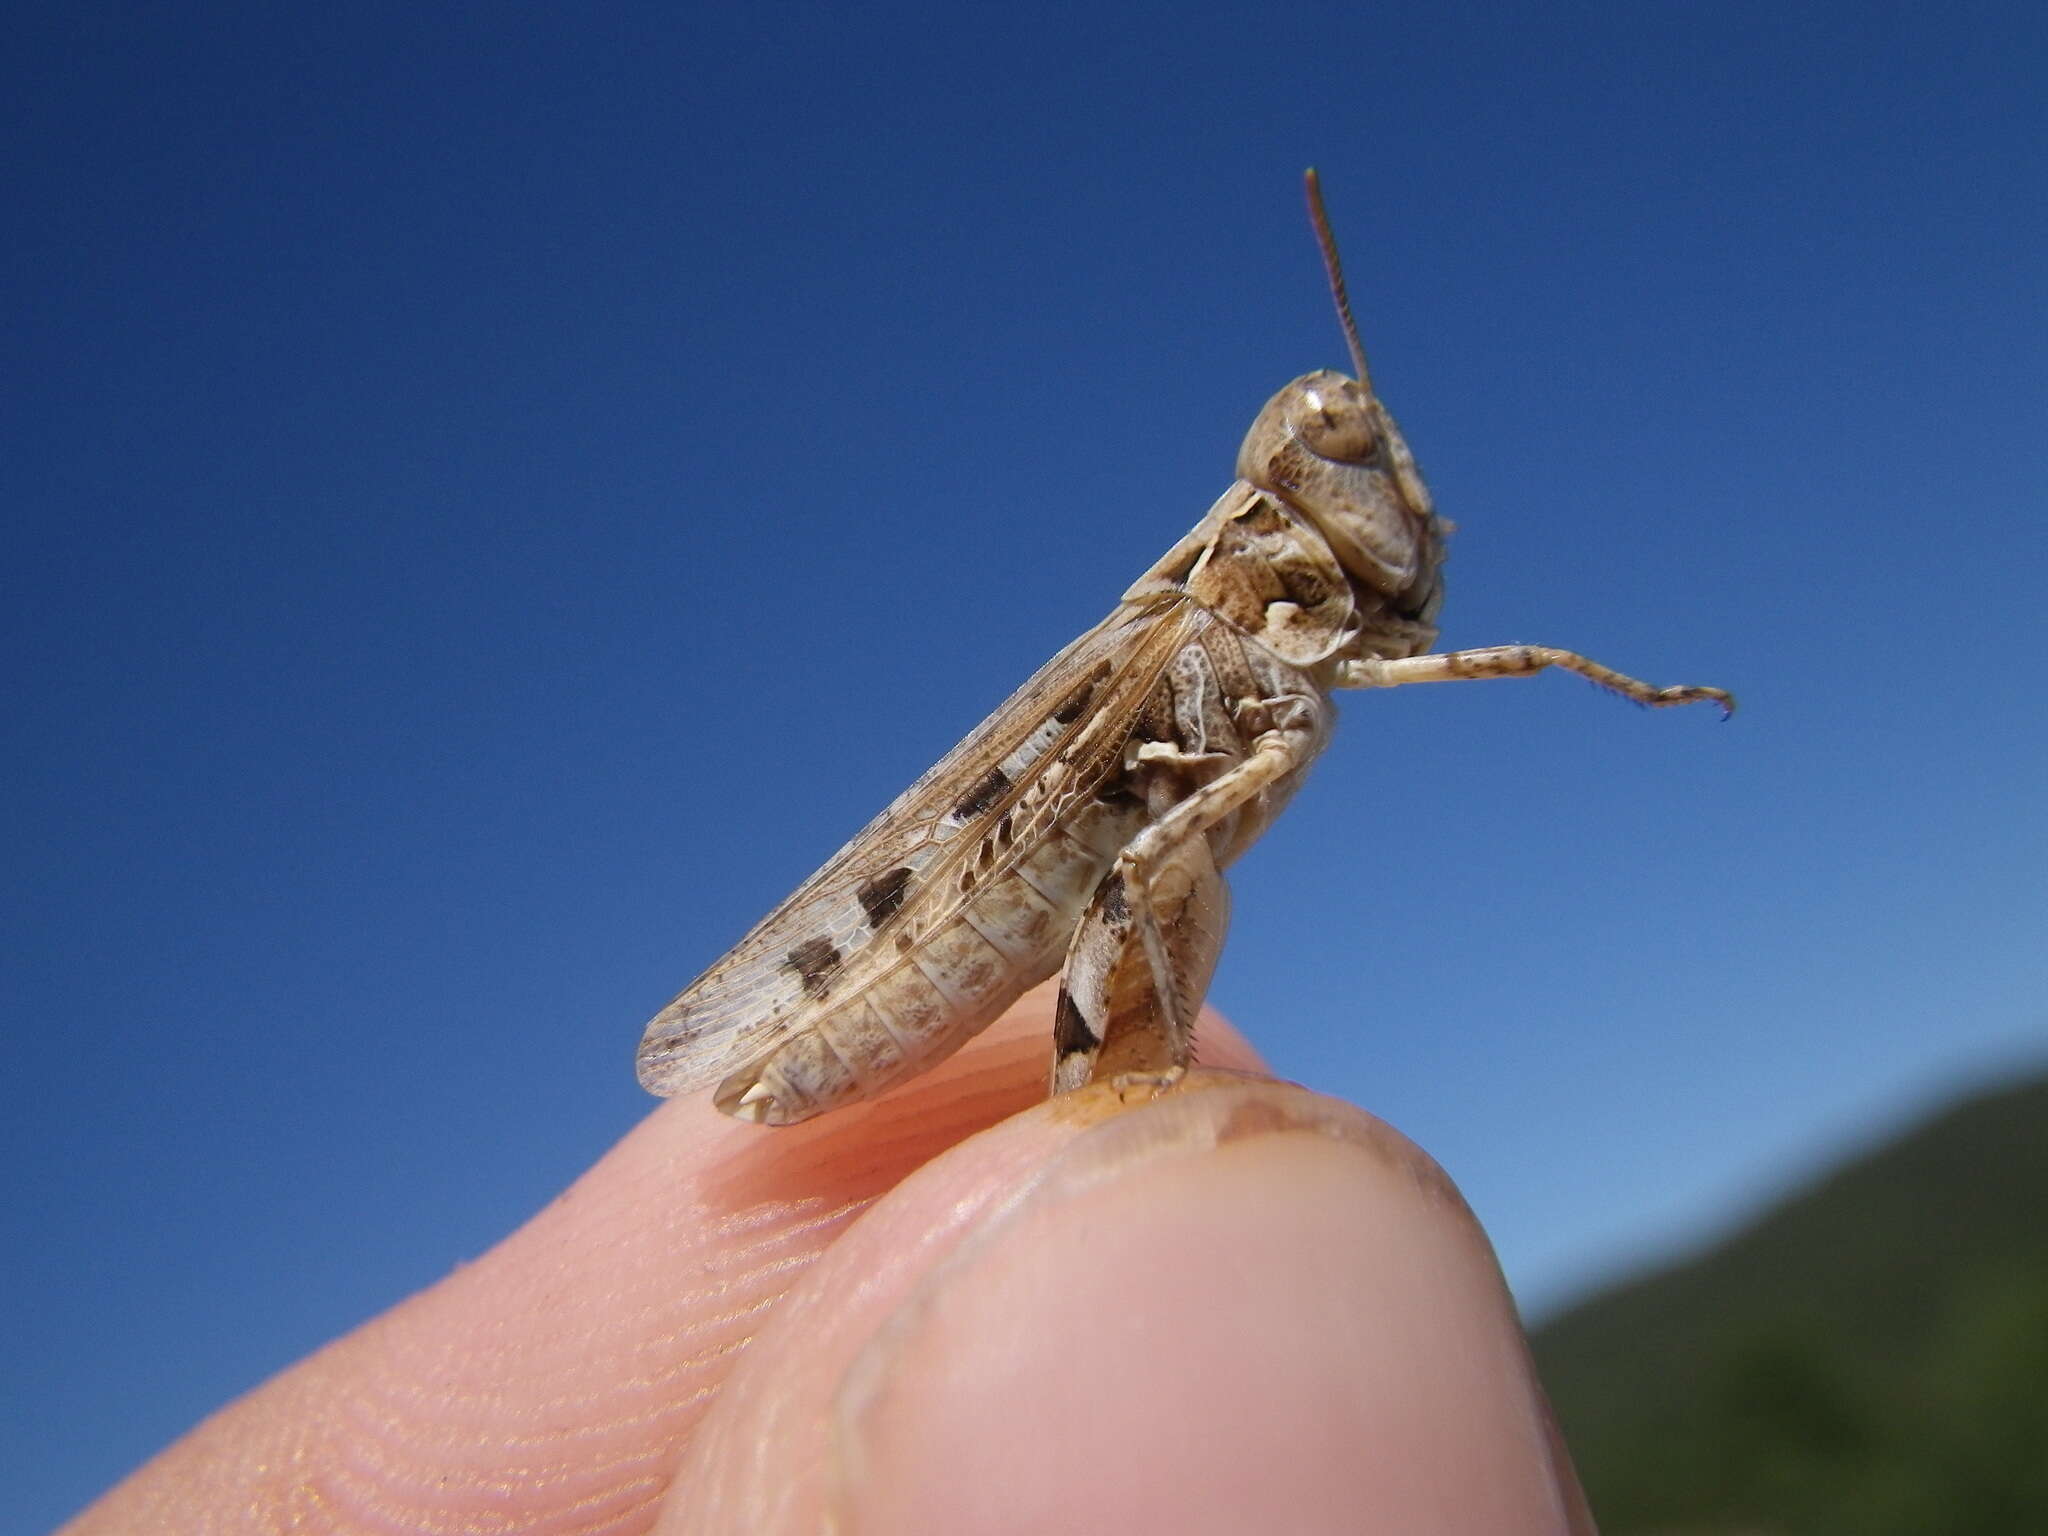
391 1469
734 1471
486 1407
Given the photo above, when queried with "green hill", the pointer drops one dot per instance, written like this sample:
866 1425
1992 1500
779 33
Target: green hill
1869 1356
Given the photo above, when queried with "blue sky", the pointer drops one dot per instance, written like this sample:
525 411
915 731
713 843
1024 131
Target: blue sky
495 494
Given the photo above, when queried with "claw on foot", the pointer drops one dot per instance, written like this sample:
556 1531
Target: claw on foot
754 1106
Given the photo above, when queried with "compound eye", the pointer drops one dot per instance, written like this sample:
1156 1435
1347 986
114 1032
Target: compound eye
1335 421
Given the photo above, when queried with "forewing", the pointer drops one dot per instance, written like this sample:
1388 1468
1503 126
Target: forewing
897 869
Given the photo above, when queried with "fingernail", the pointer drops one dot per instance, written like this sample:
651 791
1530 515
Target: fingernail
1235 1302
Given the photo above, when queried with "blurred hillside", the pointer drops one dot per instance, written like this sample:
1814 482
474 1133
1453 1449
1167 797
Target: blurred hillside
1869 1356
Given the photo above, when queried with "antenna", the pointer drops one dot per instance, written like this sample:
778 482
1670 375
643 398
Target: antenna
1327 242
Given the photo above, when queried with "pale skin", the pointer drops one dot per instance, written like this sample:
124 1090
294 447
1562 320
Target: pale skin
963 1309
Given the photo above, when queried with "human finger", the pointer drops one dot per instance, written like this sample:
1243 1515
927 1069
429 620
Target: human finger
555 1380
1241 1307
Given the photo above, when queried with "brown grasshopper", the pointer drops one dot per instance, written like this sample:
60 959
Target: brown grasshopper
1086 824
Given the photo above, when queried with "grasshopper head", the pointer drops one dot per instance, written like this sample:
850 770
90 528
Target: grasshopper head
1327 446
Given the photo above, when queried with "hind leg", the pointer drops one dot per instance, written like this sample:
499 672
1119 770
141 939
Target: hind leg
1137 970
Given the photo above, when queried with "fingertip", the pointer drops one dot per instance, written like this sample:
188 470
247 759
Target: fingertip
1234 1303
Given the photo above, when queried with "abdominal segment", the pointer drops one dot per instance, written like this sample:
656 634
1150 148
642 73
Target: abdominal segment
940 987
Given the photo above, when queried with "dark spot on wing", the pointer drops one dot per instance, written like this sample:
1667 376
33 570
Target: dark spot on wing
1155 720
988 789
1075 704
882 895
1070 1032
814 961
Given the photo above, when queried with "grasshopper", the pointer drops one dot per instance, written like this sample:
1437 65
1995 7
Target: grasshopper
1086 824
